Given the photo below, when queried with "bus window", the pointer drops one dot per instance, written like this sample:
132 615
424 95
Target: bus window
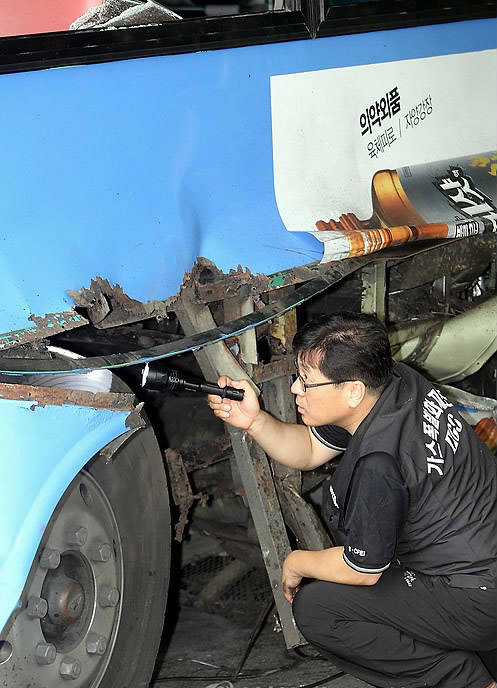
338 17
25 17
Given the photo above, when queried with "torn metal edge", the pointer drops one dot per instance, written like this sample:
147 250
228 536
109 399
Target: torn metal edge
46 326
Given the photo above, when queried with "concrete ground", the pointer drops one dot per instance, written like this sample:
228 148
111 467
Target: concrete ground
204 649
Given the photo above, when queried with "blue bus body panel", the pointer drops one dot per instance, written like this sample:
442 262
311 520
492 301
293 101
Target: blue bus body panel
130 171
36 473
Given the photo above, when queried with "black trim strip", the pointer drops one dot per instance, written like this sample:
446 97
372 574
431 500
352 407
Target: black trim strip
42 51
378 15
325 442
363 570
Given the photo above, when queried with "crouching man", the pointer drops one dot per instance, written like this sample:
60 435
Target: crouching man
407 597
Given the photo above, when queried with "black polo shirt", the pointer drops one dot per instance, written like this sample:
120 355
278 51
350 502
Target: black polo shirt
375 509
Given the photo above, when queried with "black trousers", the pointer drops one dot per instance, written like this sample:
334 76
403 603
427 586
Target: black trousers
407 631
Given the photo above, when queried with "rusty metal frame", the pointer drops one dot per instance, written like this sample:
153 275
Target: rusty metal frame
252 465
58 396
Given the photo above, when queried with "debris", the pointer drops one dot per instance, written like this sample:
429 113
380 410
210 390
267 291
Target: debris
199 661
109 306
181 490
486 429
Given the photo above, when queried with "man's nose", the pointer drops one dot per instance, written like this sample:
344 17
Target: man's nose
296 387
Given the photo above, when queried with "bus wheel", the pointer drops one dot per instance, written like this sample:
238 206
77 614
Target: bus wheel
93 607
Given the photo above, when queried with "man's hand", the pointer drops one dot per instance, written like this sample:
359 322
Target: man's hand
240 414
323 564
290 577
290 444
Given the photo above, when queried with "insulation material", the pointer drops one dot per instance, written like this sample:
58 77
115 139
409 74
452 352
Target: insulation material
113 14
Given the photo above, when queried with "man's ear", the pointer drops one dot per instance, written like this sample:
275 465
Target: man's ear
356 391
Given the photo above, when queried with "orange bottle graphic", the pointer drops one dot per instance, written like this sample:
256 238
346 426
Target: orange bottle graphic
446 191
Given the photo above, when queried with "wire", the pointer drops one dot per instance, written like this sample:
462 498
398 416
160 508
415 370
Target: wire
333 677
235 673
228 675
246 677
253 636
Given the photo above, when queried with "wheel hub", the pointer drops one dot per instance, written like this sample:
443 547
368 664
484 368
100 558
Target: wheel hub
66 599
70 593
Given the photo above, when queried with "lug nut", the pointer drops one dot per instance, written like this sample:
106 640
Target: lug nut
37 607
70 668
77 536
101 551
50 558
45 653
96 644
108 597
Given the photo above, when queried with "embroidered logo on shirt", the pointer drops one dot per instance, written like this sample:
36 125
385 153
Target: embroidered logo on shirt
359 552
409 577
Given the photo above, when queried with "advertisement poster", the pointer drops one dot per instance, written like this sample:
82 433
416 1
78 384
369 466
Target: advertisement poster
378 155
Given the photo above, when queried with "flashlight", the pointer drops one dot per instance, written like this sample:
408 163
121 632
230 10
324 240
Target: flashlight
170 381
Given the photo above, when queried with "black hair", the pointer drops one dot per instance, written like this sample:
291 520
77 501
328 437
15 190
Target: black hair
347 346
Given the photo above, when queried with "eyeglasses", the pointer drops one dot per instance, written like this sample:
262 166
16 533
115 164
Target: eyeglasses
309 385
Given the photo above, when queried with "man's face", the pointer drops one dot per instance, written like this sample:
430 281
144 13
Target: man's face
325 404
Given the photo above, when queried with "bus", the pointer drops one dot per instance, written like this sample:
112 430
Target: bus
183 184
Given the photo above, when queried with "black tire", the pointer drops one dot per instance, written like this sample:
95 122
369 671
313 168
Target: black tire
134 482
105 591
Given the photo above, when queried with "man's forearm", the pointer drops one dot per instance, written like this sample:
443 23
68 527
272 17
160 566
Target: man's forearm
328 565
288 444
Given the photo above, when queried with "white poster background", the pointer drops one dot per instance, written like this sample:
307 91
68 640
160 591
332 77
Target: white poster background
322 167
